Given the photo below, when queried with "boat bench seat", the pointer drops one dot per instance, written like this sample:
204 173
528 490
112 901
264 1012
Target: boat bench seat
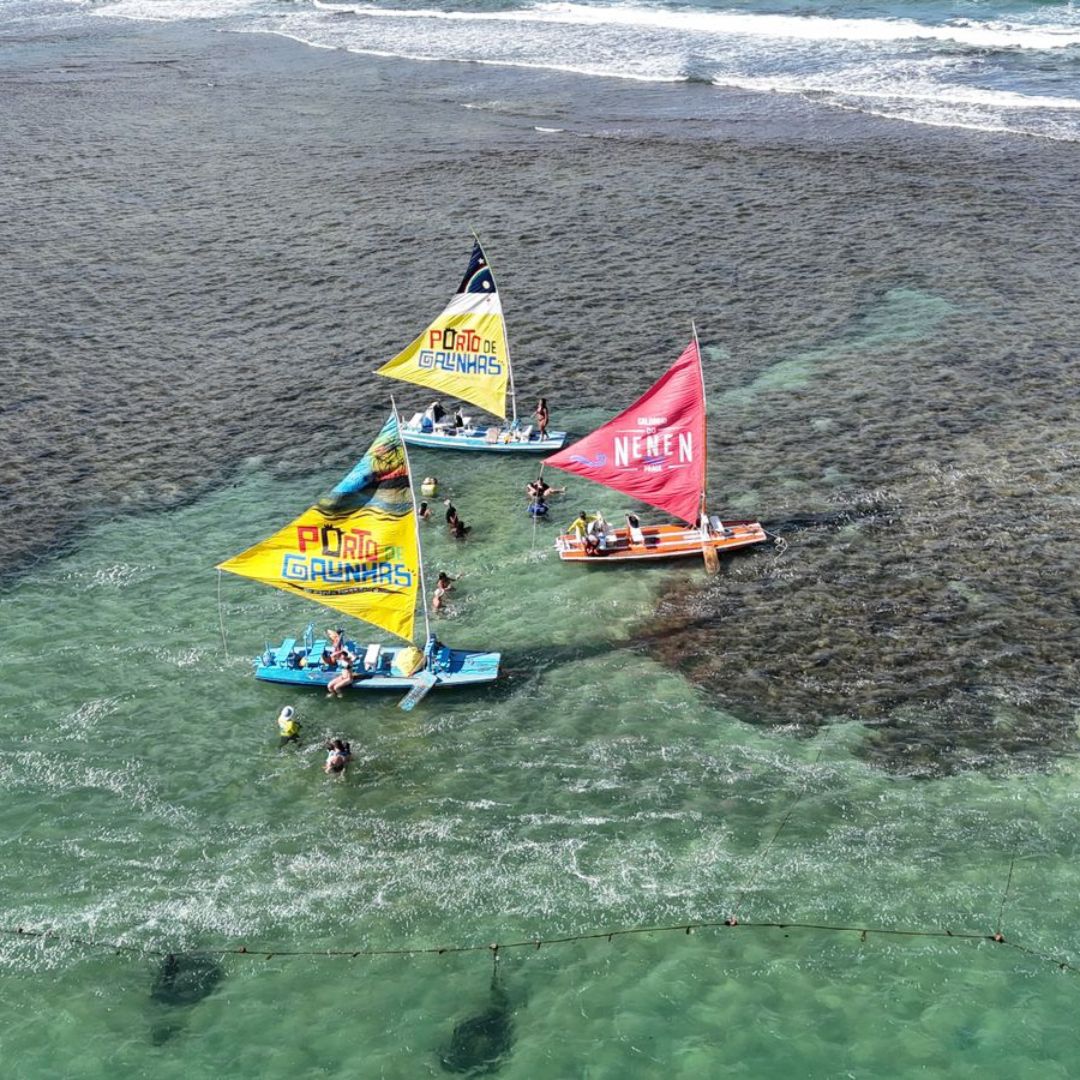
281 654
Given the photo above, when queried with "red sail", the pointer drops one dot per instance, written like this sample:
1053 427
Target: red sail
655 450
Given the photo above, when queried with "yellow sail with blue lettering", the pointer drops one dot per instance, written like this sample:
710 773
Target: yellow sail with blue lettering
355 550
463 353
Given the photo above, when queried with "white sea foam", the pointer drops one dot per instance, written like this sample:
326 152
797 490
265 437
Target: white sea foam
967 32
904 69
982 35
175 10
896 86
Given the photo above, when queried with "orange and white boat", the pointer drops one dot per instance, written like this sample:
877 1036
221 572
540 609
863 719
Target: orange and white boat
654 451
670 541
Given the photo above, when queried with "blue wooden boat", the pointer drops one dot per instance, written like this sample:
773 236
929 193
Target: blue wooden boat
357 550
498 439
464 354
299 663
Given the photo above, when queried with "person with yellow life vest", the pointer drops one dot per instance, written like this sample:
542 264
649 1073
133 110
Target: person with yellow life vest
590 529
288 726
580 525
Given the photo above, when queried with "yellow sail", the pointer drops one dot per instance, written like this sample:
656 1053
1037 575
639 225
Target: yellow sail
355 549
463 353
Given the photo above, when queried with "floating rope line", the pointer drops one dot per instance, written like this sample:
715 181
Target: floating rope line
536 943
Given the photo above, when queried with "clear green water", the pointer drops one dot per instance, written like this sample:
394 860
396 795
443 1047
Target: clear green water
146 802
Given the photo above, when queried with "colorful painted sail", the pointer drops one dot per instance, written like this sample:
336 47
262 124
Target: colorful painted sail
655 450
463 353
355 550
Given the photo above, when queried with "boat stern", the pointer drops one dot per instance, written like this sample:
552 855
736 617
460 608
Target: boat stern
459 667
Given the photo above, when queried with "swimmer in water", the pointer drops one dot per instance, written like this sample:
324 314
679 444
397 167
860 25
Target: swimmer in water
338 753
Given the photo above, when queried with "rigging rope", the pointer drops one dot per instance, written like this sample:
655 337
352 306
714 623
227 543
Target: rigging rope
1004 896
533 501
221 618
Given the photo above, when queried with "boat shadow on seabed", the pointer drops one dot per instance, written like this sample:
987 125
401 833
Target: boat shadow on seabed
182 981
480 1044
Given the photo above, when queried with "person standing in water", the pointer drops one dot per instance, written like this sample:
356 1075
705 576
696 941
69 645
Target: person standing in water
442 587
288 726
458 529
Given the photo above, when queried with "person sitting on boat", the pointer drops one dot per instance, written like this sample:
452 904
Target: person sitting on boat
542 418
332 653
583 528
459 420
435 412
345 676
338 753
597 530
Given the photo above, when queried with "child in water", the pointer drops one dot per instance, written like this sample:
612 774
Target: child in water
288 726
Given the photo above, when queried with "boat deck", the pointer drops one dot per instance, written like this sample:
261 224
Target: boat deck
497 439
660 542
297 665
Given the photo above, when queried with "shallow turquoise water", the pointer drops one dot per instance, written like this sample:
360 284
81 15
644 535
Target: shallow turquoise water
148 804
887 320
